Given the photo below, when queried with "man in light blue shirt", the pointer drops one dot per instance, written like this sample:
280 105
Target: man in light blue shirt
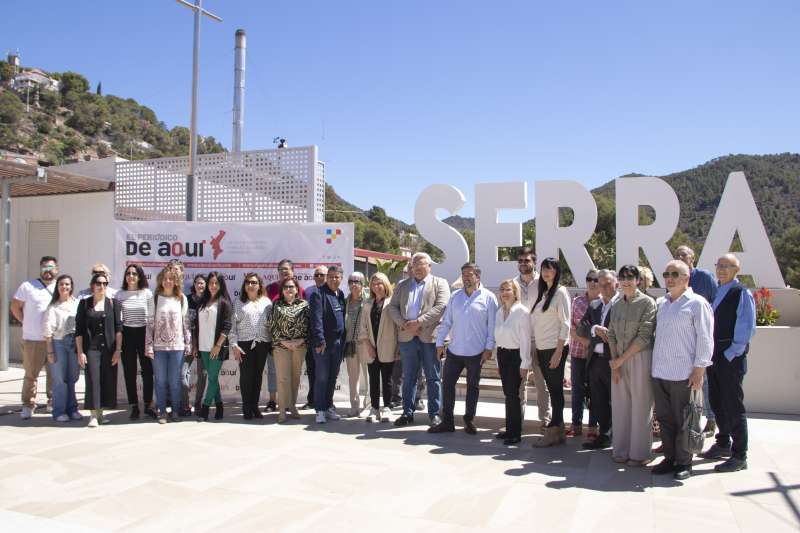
469 320
734 326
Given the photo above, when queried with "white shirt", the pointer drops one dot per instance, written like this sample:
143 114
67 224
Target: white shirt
514 332
600 347
59 319
684 336
35 296
207 323
553 324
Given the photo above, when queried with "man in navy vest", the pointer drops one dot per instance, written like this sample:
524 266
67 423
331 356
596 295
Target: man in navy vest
734 326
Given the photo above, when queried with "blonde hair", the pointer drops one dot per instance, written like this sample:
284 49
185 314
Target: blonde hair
176 286
514 288
646 276
381 277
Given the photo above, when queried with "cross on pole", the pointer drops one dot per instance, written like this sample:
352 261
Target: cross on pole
191 189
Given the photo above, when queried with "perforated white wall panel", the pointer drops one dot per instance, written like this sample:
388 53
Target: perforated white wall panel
285 185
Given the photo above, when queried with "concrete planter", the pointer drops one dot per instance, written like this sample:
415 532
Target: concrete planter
773 371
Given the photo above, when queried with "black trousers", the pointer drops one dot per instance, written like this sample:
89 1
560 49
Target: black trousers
251 373
727 401
453 366
310 374
600 392
554 378
101 380
671 398
508 362
133 351
380 380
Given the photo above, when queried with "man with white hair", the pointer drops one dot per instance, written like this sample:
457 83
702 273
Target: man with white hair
683 348
734 326
417 306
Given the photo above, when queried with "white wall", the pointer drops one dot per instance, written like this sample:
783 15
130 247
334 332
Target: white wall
86 237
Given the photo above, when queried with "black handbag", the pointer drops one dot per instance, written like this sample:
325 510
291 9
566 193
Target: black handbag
692 430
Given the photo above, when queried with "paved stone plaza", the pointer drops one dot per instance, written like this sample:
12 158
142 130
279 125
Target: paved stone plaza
354 476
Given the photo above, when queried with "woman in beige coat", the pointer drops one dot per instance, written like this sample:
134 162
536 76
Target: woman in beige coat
378 338
630 339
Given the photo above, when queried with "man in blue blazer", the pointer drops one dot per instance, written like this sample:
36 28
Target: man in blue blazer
327 339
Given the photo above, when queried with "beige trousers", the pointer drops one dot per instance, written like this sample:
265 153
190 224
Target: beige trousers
34 357
288 365
632 409
359 379
542 395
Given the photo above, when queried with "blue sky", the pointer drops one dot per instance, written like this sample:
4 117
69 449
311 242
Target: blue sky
399 95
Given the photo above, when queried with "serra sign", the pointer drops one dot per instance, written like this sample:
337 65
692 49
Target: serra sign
736 213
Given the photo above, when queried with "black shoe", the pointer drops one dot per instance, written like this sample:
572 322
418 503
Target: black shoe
664 467
271 407
683 472
150 412
256 412
197 407
135 412
501 435
442 428
469 427
185 412
716 452
247 413
510 441
733 464
600 443
404 420
174 418
218 412
435 420
204 412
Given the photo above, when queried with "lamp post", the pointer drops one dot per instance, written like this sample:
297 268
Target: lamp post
191 185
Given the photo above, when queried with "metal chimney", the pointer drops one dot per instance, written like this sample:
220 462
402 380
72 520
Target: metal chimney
238 91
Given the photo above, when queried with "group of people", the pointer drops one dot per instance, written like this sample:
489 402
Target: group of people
629 354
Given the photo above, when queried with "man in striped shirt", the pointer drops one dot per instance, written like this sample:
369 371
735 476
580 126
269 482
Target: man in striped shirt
684 344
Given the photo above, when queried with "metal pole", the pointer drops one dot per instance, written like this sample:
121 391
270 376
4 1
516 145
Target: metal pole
191 185
5 293
238 91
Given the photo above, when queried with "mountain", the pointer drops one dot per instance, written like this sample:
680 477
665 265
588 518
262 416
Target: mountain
461 223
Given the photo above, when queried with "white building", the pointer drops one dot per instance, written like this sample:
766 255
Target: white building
33 79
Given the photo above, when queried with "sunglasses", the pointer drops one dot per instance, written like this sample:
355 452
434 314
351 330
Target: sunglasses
592 280
97 272
50 267
319 275
354 281
627 277
101 283
289 287
252 282
674 274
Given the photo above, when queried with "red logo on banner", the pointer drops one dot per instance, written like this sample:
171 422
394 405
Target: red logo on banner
215 243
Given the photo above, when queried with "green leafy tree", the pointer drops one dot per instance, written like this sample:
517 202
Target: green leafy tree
50 101
6 71
11 108
73 82
787 249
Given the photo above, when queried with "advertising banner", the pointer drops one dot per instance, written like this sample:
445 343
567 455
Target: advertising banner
234 249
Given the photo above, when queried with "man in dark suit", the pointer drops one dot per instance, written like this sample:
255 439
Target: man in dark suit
594 326
319 280
327 338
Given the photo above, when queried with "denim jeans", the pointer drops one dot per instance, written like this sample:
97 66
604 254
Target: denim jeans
326 368
413 354
578 375
167 368
64 374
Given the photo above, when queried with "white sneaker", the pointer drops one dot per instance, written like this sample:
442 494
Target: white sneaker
385 414
26 413
49 407
75 416
92 422
332 414
321 417
373 413
62 418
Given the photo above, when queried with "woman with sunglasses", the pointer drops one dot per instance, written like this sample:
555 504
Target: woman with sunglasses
550 324
630 339
135 299
98 341
288 327
249 341
167 341
59 335
210 332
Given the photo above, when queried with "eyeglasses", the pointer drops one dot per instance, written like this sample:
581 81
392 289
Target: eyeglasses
354 281
101 283
723 266
47 268
674 274
97 272
252 282
592 280
132 274
319 275
628 277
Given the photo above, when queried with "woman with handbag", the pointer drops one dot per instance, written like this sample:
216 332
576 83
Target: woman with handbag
353 356
210 338
98 341
288 327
